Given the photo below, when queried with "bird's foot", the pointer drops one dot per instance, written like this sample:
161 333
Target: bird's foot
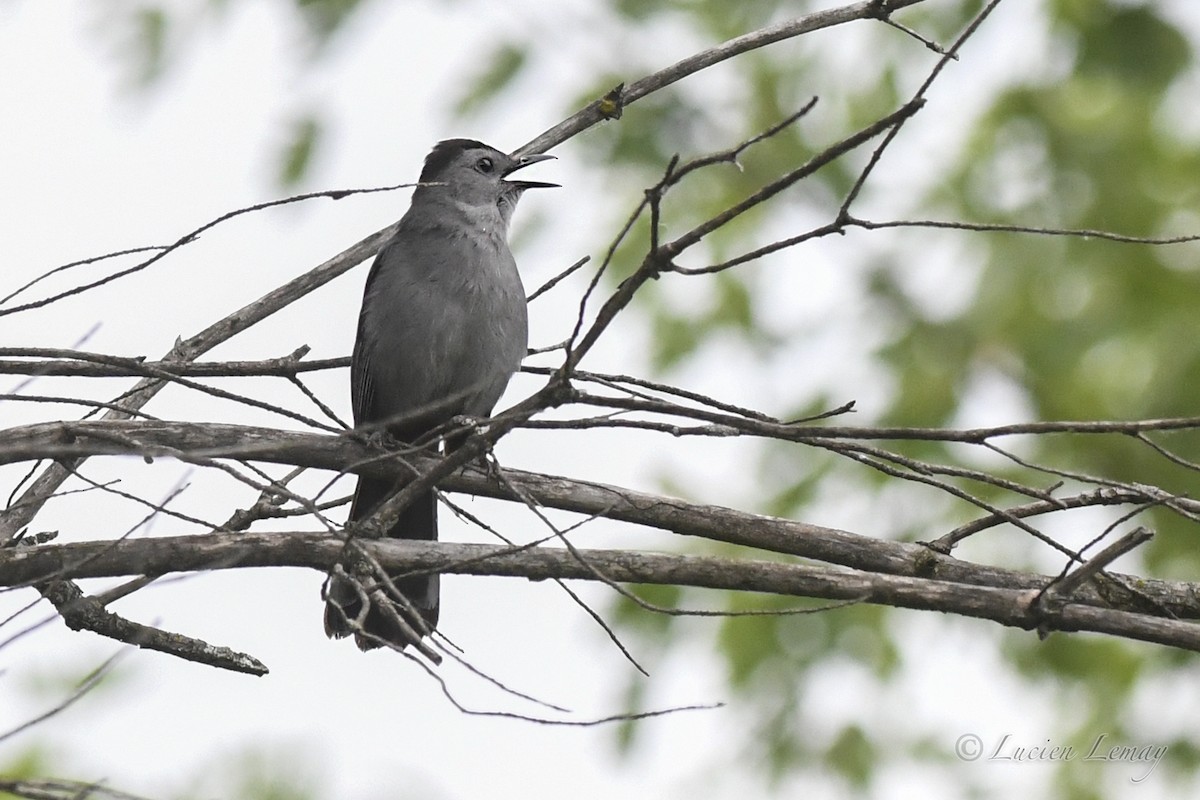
383 439
466 424
491 464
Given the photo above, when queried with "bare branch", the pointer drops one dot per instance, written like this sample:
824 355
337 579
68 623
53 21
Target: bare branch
611 105
85 686
81 612
717 523
77 363
58 789
1076 578
1010 607
188 238
1003 227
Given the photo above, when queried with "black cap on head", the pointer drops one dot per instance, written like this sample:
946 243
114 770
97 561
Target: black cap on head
444 152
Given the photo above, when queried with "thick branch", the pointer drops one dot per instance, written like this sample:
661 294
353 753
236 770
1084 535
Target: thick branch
318 551
866 553
81 612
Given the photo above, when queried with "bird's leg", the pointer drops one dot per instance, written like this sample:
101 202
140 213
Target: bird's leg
491 464
465 427
383 439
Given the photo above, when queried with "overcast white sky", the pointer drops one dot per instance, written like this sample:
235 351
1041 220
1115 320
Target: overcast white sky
87 167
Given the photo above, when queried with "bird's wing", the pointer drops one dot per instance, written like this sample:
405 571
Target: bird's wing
362 385
362 388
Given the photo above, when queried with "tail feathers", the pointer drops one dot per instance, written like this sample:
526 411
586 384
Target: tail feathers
343 605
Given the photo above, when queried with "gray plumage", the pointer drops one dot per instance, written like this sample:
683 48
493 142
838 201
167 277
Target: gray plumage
442 329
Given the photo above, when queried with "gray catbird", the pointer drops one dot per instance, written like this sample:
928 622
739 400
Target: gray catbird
442 329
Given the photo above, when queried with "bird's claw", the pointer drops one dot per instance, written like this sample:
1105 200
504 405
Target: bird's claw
462 421
382 439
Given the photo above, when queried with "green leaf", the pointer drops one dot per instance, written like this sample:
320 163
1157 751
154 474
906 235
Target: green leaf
152 25
852 755
1134 44
304 137
325 17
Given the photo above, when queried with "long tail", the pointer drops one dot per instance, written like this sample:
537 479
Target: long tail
418 521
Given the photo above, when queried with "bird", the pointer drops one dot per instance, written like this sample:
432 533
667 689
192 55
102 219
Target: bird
442 329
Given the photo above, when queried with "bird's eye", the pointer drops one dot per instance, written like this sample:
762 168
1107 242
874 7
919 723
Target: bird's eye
484 165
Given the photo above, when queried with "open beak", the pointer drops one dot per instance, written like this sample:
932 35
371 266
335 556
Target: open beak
525 161
532 185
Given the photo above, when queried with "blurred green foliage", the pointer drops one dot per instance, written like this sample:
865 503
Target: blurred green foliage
1083 329
1079 328
304 136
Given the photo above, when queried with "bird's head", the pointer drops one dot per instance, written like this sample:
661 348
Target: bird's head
474 173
